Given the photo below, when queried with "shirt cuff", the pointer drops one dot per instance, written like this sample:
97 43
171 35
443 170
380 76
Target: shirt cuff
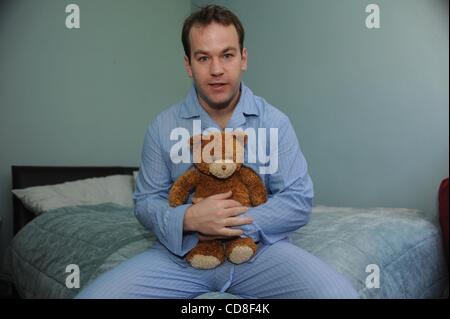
181 243
251 231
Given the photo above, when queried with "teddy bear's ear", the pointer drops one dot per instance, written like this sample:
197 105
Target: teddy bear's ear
195 140
240 137
195 144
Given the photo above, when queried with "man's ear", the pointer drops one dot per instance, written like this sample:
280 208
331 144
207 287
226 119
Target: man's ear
187 66
244 59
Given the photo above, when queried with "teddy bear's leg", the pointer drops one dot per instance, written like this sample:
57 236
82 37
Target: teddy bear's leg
206 255
240 250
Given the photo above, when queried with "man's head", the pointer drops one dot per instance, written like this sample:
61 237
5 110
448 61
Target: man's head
215 57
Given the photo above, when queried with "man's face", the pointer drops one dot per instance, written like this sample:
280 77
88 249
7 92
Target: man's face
216 63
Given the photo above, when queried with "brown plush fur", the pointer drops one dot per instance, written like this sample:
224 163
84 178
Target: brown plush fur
207 248
240 242
246 186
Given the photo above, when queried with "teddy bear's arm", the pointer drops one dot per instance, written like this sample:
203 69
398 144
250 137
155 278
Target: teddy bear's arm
255 186
180 190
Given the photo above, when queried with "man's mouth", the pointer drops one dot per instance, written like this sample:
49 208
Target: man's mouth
217 85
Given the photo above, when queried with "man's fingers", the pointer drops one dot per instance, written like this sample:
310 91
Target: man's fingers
221 195
227 203
230 232
238 221
234 211
230 203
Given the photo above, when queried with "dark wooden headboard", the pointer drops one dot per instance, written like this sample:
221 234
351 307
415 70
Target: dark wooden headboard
27 176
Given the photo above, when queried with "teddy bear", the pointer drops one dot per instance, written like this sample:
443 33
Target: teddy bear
221 172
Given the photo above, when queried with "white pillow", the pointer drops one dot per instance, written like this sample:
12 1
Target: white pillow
111 189
135 176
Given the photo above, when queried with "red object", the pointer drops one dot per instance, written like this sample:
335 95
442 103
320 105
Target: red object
443 213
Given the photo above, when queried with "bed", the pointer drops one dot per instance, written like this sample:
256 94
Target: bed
385 252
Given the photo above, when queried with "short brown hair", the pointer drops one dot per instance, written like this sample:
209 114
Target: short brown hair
206 16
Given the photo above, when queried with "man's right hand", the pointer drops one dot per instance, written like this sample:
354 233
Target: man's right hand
214 215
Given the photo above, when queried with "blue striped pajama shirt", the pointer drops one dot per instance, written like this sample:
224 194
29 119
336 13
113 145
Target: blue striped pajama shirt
279 269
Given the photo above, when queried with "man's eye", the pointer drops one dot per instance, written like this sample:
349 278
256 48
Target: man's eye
228 56
202 59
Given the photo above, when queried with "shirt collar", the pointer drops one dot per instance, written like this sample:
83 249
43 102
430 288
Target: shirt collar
246 105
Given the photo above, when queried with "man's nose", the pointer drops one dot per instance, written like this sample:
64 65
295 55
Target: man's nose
216 68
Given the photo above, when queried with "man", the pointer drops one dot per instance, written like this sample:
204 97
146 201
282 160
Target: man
213 40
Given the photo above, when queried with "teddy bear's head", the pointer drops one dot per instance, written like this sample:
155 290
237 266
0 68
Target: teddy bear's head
219 154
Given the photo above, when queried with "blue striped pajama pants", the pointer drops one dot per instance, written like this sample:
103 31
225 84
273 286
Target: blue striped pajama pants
281 270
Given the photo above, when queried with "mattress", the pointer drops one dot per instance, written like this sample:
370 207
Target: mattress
401 247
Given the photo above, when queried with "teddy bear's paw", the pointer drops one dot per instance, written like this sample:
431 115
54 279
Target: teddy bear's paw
240 254
206 255
240 250
204 262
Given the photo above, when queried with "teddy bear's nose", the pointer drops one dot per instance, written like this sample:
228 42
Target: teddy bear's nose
224 167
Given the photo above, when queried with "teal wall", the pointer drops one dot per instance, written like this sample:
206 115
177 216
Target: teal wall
86 96
370 107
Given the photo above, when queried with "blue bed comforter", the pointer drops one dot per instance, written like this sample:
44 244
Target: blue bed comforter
400 243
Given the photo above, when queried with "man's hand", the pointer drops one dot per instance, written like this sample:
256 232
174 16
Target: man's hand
203 237
214 215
